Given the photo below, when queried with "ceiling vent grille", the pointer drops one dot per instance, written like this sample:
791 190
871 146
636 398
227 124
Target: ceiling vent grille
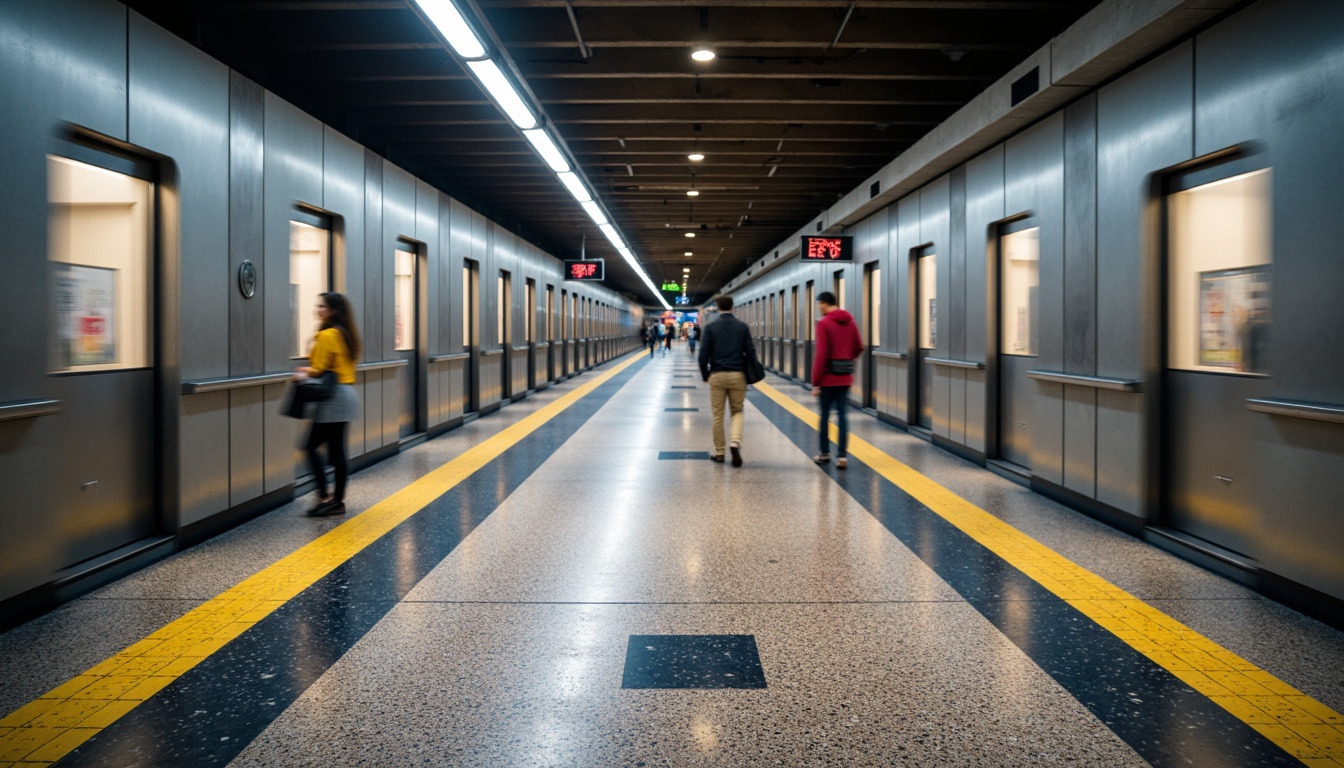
1026 85
873 189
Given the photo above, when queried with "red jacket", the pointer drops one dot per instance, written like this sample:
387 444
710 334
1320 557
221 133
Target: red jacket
837 339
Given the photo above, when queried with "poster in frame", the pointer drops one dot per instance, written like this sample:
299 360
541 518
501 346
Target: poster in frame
1234 318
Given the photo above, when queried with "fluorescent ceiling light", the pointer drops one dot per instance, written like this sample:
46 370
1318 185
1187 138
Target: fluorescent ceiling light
704 54
686 269
545 147
690 234
576 188
695 157
499 87
445 16
612 235
688 253
692 193
595 213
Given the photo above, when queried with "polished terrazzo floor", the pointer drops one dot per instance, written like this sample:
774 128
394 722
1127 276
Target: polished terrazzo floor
520 646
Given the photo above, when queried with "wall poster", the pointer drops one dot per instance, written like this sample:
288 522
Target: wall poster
85 307
1234 318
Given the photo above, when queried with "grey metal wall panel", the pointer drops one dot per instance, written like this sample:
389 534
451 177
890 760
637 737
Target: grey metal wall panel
179 106
293 175
1080 236
956 264
1080 440
247 316
1080 292
205 476
935 228
246 446
281 441
427 218
372 321
984 205
1270 74
1144 124
1034 183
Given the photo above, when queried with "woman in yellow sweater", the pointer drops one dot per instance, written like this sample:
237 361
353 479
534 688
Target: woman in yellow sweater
336 348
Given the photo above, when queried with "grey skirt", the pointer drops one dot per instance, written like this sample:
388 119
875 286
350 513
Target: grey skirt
343 406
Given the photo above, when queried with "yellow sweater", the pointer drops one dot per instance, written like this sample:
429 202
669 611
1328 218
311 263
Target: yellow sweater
330 354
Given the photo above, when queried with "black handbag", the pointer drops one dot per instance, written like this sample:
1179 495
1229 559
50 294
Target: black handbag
841 367
301 393
752 368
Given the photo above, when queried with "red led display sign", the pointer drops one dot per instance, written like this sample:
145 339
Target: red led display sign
591 269
828 248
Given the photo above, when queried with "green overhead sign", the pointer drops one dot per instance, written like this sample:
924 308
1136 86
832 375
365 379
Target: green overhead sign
671 286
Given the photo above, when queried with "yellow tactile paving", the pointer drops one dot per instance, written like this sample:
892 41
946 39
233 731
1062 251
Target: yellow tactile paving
50 727
1297 723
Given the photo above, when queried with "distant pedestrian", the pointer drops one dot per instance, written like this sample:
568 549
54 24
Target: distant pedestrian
669 331
722 358
651 338
336 348
692 336
838 346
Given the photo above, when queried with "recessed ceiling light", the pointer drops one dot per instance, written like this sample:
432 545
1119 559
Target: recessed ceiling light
690 234
695 157
688 253
692 193
704 54
685 269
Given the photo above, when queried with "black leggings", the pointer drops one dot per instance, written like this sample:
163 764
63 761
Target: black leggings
333 434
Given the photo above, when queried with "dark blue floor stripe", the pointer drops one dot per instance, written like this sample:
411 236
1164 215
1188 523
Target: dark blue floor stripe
1160 717
207 716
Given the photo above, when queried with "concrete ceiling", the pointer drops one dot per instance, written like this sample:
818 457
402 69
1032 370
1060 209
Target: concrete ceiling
806 99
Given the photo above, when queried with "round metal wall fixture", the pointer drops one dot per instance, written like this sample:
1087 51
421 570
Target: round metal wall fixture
247 279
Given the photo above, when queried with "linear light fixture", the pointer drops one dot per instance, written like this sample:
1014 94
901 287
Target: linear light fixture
545 146
446 18
501 89
575 186
614 237
595 213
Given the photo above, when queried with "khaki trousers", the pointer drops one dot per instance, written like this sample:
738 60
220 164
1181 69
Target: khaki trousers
730 385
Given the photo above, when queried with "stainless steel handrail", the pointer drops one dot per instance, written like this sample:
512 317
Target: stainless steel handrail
491 352
234 382
1096 382
1298 409
948 362
449 356
381 365
28 409
890 355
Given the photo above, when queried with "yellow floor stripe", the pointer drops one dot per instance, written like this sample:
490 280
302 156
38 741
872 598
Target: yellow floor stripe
48 728
1302 726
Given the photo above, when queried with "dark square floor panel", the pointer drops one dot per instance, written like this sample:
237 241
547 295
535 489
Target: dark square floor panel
680 455
681 410
692 661
683 386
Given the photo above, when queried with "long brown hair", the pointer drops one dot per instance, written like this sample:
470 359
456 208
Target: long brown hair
341 317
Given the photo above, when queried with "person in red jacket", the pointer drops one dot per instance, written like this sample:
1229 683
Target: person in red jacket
838 346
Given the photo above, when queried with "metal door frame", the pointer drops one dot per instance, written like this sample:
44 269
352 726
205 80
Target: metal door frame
914 401
419 252
91 148
997 230
1223 164
869 395
473 347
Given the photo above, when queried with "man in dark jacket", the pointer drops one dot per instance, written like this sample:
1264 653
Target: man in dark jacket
837 340
723 351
